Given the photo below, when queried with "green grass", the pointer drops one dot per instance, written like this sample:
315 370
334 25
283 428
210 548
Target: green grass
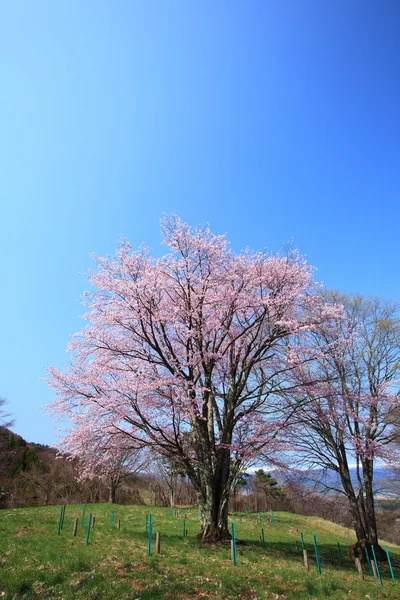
36 563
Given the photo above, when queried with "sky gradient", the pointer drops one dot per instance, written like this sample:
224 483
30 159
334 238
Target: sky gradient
271 120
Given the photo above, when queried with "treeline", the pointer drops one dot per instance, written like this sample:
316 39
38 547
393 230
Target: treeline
34 475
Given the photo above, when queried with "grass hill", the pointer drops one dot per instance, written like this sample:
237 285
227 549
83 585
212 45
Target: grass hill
36 562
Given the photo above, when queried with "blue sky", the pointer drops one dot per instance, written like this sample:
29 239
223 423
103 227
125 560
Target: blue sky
270 120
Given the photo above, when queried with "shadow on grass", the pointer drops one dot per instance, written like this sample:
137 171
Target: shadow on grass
328 555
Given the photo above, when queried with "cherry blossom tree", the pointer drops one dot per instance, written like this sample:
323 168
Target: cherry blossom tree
118 466
347 400
186 354
102 453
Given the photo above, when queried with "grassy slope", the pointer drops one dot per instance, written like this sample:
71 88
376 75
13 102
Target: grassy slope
37 563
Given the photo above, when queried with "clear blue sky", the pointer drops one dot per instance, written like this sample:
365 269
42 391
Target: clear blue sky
271 120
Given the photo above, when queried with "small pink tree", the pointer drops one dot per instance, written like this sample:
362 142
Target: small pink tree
104 454
186 354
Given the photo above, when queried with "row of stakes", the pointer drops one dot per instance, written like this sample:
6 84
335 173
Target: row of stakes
373 566
90 524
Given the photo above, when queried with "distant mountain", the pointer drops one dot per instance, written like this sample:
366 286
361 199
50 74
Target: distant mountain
323 480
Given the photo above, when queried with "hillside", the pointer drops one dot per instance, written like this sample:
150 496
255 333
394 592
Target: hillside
18 459
34 475
38 563
18 455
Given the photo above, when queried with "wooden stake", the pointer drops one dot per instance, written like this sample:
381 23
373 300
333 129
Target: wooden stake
305 556
377 569
93 522
368 561
119 523
373 567
75 527
158 542
359 568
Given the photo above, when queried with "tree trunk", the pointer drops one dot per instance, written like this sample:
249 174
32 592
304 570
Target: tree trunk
362 505
213 518
372 530
358 522
112 495
355 505
213 498
211 477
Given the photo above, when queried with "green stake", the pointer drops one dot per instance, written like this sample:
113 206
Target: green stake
303 547
317 554
59 521
234 554
63 515
390 564
88 529
376 565
340 554
149 535
83 515
112 518
368 561
262 537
